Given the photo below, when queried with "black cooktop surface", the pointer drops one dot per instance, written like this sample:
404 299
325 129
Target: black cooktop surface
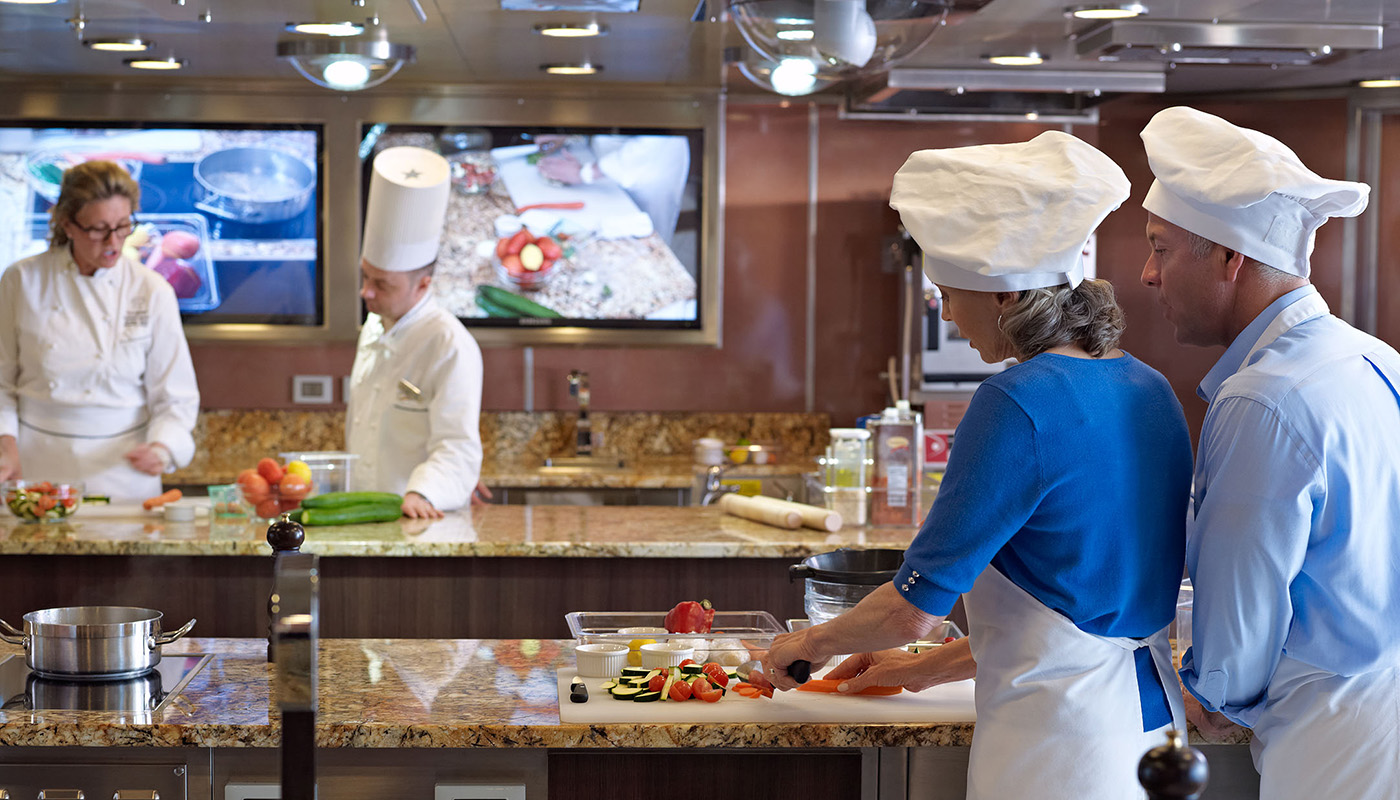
22 690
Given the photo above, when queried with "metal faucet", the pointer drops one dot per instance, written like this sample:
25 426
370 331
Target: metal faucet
578 388
713 487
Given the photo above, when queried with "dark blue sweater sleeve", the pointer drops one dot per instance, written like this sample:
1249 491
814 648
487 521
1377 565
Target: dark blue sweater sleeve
991 487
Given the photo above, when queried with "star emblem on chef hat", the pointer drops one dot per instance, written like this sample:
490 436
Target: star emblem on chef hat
411 174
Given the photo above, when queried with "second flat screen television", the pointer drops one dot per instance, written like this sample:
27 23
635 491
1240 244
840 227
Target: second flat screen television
576 227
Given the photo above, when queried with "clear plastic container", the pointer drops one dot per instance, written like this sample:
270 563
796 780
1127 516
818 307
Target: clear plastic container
330 470
735 637
845 488
824 601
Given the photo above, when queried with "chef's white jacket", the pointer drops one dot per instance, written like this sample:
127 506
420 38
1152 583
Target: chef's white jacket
88 358
429 442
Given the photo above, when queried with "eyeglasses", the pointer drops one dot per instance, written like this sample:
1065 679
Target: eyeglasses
100 233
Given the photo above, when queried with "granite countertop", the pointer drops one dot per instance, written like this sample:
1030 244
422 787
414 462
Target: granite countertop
419 693
491 531
424 693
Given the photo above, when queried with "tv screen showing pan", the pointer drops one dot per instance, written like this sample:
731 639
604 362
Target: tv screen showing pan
578 227
229 214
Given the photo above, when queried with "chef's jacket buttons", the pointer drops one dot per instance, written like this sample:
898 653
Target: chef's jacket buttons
915 573
904 588
910 581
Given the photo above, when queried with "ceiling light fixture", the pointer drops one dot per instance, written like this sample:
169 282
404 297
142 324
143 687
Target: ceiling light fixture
347 64
797 35
344 28
134 44
29 2
1107 11
155 63
845 38
568 30
583 68
1030 59
1379 83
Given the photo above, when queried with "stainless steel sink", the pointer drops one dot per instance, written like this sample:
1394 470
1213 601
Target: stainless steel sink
582 463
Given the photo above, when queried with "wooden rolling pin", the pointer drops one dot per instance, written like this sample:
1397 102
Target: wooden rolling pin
822 519
755 509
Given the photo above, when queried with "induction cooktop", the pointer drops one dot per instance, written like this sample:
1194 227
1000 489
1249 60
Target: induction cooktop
22 690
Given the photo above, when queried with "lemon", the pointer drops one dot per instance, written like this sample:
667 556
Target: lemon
739 455
634 656
301 469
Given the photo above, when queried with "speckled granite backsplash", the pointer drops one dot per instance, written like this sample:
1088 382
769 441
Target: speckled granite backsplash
228 441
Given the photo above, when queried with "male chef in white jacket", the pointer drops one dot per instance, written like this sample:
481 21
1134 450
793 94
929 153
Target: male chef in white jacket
1292 542
415 391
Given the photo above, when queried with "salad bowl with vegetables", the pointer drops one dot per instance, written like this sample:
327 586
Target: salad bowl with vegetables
42 501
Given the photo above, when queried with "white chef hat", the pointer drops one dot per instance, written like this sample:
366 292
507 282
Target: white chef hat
407 207
1240 188
1006 217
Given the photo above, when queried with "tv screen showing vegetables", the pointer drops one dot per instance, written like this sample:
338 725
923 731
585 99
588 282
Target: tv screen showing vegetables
565 227
229 214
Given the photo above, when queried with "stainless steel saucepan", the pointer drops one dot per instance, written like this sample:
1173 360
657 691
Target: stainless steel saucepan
92 642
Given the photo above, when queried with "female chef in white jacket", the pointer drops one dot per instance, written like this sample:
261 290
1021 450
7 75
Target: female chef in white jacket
1061 518
96 382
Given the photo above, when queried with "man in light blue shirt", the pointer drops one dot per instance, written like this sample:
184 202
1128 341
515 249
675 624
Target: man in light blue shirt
1292 546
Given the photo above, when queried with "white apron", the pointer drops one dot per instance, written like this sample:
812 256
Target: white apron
71 444
1058 711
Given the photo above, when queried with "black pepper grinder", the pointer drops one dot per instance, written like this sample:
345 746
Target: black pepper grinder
286 538
1173 771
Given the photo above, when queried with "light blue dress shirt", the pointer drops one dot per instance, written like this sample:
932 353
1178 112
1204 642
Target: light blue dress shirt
1293 547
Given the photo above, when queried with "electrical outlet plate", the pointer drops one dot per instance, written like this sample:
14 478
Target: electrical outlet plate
312 389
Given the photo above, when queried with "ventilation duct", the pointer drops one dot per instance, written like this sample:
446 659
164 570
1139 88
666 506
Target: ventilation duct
1244 43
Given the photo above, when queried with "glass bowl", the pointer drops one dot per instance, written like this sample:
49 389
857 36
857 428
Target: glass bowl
42 501
45 169
523 279
471 172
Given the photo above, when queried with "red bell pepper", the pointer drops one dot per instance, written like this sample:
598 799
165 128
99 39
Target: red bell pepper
690 617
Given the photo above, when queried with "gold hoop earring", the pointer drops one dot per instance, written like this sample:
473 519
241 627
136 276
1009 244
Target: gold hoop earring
1003 330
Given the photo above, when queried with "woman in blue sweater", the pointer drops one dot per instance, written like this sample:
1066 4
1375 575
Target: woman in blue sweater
1061 517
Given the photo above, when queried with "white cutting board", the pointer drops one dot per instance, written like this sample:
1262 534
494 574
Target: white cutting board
602 199
948 703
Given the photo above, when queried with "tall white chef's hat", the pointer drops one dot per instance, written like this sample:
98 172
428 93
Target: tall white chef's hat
407 207
1006 217
1240 188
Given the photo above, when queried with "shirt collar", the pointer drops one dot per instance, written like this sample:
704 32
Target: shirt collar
1239 349
419 310
101 277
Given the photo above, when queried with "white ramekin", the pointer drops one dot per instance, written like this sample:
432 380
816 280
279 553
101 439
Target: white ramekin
601 660
665 654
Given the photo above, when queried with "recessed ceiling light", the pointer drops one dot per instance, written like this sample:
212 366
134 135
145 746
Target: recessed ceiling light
1379 83
567 30
797 35
572 69
1108 11
326 28
155 63
1017 59
132 45
29 2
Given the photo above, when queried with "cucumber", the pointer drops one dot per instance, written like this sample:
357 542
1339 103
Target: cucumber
514 302
342 499
491 309
647 697
295 515
351 515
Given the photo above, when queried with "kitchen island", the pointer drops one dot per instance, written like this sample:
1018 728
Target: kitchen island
493 572
404 716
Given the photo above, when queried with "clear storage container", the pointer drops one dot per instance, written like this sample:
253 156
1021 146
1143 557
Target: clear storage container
845 488
330 470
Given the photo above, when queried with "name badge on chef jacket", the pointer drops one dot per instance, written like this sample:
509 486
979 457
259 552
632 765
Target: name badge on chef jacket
410 397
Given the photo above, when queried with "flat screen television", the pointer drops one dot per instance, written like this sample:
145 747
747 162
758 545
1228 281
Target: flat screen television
566 227
246 196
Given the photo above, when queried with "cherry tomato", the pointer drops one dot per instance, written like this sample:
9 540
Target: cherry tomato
715 673
293 486
657 683
680 690
688 662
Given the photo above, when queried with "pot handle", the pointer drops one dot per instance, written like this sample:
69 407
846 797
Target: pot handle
217 205
10 634
797 572
167 638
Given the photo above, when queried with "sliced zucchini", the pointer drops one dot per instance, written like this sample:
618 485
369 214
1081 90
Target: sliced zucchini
634 671
691 670
671 677
647 697
608 685
625 692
